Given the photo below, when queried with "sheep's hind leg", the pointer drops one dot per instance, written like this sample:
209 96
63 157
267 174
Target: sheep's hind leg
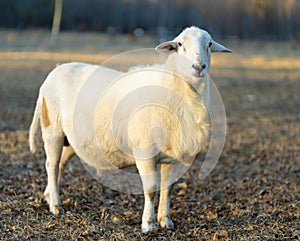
148 173
53 149
67 154
169 173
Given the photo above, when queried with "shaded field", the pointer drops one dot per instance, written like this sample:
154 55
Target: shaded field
252 194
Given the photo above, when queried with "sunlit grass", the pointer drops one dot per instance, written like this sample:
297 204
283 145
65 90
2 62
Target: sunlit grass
259 62
33 46
220 61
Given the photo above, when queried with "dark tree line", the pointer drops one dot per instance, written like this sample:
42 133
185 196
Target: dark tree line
242 19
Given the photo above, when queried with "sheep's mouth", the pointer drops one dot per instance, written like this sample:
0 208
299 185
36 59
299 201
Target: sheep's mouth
200 74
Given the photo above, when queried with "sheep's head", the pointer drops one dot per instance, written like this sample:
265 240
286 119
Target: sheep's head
194 46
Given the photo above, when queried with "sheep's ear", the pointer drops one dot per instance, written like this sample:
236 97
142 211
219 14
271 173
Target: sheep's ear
216 47
167 47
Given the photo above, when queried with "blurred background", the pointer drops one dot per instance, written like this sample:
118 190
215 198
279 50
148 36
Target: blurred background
230 19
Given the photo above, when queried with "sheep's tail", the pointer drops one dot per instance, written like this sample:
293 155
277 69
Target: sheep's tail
34 126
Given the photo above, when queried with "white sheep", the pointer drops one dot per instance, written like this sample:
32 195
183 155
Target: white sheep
66 132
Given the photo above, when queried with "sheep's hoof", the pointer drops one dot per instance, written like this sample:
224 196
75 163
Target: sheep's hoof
166 223
56 211
148 227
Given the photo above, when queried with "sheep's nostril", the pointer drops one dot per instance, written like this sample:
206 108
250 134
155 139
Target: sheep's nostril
199 67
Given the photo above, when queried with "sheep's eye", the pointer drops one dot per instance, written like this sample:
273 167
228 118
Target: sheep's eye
179 44
210 44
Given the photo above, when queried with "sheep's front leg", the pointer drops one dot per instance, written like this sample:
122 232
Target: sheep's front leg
169 173
148 172
53 149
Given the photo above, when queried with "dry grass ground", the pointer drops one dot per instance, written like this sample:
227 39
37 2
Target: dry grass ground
252 194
